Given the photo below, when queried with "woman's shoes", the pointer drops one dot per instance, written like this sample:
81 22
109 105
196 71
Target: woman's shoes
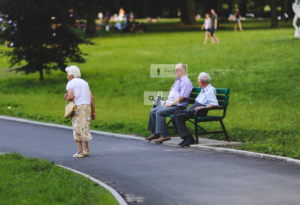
78 155
85 152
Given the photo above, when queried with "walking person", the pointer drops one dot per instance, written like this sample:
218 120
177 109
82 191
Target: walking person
207 25
214 25
237 20
79 92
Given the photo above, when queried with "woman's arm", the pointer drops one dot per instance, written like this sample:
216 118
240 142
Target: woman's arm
69 96
93 106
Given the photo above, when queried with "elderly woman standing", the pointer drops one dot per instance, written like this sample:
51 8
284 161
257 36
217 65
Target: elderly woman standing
79 92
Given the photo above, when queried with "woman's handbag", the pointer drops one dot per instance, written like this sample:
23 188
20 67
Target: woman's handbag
70 109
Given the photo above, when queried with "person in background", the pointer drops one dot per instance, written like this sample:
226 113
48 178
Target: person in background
121 14
286 17
79 92
214 25
206 25
237 20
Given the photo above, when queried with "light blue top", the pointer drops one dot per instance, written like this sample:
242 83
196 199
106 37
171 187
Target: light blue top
208 96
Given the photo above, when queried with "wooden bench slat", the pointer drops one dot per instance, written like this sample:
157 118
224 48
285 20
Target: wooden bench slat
222 97
223 103
219 90
191 101
219 97
223 91
209 118
195 89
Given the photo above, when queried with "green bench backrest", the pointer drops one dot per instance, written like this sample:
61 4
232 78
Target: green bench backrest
222 96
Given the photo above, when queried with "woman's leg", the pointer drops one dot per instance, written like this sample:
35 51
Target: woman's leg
240 25
216 38
205 38
79 146
235 26
86 146
209 35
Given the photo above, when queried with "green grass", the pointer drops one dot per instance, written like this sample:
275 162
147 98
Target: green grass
260 67
37 181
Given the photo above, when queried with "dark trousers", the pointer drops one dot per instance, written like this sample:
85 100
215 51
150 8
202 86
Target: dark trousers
180 117
157 120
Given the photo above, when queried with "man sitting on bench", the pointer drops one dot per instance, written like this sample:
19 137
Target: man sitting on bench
180 91
206 98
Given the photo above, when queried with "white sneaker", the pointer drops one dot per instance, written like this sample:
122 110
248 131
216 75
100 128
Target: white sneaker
78 155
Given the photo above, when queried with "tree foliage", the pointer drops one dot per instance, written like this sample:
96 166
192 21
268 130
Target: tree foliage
41 35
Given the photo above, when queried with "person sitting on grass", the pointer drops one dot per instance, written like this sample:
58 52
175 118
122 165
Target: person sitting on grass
207 98
180 92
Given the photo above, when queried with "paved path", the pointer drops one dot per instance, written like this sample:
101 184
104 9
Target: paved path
157 174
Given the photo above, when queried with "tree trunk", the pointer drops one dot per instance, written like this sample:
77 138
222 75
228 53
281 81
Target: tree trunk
211 4
220 8
284 6
146 5
90 20
188 12
274 19
230 7
173 9
243 7
41 76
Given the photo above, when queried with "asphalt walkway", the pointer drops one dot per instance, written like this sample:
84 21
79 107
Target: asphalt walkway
147 173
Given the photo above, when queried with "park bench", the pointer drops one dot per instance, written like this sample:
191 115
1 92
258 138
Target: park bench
223 97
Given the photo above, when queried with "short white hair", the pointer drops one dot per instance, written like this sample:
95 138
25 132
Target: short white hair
74 71
205 77
183 66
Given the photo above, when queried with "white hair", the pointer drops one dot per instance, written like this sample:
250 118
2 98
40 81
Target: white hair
204 77
74 71
183 66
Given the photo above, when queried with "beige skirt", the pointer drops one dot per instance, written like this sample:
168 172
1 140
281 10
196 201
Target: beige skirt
81 123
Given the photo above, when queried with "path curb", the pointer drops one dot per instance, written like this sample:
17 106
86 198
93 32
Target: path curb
197 147
115 194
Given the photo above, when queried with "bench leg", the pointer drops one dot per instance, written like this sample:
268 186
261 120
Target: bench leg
224 130
198 126
169 122
196 132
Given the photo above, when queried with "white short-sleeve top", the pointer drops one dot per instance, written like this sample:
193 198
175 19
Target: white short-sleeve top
80 90
207 23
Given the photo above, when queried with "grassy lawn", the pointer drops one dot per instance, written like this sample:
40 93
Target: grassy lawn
260 66
32 181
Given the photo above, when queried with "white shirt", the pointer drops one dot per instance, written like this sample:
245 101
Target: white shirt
208 96
81 91
207 23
